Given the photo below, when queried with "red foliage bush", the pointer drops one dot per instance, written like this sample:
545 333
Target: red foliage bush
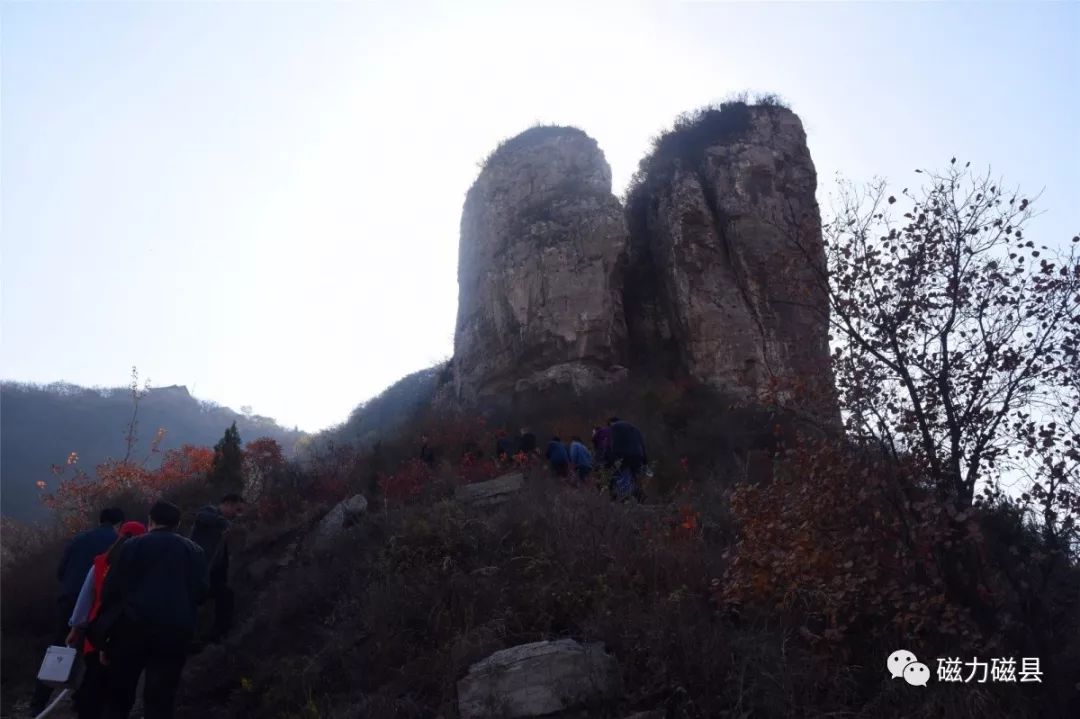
845 545
472 469
77 498
407 483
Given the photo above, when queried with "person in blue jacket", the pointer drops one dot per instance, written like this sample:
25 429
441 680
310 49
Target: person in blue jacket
74 564
556 454
580 459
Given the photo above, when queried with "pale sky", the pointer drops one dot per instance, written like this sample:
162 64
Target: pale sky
261 200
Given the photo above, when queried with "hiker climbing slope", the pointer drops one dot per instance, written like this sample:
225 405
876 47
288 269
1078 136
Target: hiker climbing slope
211 532
628 450
76 562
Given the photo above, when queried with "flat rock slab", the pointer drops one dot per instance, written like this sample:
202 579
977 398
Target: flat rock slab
492 492
537 679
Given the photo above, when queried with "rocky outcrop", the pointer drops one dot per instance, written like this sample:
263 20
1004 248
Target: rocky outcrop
537 679
345 514
539 300
490 493
712 274
726 259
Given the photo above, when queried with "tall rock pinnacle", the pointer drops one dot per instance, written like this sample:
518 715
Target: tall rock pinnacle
539 301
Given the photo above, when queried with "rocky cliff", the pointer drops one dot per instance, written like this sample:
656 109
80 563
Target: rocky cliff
539 300
710 273
726 259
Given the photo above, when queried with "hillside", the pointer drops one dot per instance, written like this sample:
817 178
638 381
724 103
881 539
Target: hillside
383 416
41 425
732 549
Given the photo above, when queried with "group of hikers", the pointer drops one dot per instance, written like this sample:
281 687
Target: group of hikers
129 602
618 446
130 593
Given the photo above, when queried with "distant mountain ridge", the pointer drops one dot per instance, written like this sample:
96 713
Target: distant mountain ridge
40 425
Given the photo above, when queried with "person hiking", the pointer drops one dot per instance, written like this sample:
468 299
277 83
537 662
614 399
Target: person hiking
149 604
556 454
580 459
211 532
75 562
90 696
526 442
627 447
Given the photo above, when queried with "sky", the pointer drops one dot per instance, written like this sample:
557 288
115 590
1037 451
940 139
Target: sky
261 200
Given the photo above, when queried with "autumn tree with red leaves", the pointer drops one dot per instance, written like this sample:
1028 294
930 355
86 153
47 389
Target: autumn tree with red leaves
264 466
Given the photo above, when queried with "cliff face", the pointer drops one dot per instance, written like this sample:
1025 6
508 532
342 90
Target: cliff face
710 273
726 260
539 299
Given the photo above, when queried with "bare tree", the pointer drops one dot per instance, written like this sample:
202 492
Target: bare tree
956 338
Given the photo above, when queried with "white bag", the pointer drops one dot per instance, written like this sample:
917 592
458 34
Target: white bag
60 668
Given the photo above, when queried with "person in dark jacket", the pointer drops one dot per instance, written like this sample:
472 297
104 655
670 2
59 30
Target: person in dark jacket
558 457
211 532
627 447
527 442
74 564
149 605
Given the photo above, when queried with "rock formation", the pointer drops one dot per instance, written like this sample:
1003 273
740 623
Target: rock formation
712 273
538 679
539 302
724 276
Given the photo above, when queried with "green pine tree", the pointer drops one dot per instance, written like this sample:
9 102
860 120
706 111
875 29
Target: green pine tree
227 472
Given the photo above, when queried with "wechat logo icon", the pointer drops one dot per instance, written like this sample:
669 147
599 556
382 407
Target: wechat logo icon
903 663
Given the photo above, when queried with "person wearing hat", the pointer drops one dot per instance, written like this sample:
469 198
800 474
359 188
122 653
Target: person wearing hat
90 697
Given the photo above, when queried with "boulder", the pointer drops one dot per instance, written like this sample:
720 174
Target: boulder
344 514
490 493
541 240
536 679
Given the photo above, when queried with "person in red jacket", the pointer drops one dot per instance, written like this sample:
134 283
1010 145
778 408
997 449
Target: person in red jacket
90 697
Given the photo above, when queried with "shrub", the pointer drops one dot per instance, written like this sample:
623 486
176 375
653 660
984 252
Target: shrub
683 146
407 483
858 553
